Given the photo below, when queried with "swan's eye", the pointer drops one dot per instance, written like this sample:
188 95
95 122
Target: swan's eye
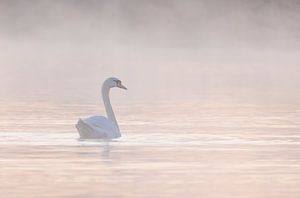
119 84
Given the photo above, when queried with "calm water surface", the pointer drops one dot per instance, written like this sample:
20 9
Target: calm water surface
190 149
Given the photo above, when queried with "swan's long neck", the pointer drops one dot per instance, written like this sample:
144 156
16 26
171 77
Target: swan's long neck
107 104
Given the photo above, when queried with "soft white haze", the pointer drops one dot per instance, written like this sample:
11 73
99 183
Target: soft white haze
211 110
161 50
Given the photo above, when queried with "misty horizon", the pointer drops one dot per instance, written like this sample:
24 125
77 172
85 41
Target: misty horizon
161 50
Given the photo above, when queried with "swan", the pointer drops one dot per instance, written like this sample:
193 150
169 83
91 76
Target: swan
100 127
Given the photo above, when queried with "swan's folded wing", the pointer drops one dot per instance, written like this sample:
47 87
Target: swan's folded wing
88 132
100 122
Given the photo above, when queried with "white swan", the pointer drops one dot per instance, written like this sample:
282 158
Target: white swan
100 127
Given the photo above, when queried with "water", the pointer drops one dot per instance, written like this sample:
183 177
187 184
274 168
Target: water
191 149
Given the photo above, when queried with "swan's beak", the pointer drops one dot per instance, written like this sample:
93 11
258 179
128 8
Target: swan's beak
121 86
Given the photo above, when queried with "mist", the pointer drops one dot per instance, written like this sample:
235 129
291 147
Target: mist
161 50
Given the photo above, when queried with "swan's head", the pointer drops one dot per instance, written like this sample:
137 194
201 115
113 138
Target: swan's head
114 82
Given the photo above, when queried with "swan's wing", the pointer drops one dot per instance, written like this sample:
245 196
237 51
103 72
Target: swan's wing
99 122
86 131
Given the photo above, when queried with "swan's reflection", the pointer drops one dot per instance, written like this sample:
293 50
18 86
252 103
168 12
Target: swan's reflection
105 149
104 146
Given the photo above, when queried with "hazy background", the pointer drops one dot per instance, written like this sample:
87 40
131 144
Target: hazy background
212 110
162 50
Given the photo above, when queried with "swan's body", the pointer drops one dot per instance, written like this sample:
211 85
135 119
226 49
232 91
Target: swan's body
100 127
97 127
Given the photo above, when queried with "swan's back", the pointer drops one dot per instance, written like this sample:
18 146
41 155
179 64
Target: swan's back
97 127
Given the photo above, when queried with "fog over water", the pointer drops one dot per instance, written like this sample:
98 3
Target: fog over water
162 50
212 107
